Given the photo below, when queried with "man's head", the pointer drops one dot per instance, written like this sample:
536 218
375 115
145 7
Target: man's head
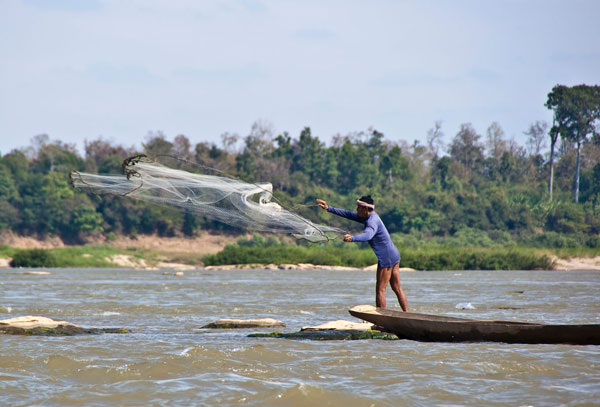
364 206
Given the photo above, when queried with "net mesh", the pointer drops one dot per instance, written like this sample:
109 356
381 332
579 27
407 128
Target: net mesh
226 199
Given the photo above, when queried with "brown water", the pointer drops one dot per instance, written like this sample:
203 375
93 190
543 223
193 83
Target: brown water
168 361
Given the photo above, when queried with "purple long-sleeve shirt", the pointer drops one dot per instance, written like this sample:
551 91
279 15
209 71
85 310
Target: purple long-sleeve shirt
375 233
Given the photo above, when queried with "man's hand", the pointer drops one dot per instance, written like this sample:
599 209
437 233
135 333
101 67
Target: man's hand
322 204
347 237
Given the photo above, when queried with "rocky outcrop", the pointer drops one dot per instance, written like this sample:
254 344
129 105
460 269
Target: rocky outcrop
226 323
34 325
334 330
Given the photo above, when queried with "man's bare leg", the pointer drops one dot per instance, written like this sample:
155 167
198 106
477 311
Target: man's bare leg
383 277
397 288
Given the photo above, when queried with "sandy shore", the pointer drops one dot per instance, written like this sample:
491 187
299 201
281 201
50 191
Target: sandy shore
577 263
205 243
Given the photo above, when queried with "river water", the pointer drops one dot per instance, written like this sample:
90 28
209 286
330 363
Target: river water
168 361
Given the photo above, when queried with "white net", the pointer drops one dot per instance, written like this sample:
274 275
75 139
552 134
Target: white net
228 200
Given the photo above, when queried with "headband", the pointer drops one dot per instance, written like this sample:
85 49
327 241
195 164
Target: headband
366 205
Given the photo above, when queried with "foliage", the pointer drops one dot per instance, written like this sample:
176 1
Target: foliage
484 191
576 116
33 258
76 256
425 258
474 259
281 254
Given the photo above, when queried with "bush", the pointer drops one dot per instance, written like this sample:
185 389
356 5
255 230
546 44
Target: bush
326 255
445 258
593 242
439 258
33 258
552 240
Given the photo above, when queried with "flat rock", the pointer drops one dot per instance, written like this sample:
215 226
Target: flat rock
35 325
227 323
339 330
340 325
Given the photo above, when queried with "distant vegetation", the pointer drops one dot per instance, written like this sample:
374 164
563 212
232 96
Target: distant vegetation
33 258
88 256
433 257
478 190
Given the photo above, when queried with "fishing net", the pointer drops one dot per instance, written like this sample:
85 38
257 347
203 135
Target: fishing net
226 199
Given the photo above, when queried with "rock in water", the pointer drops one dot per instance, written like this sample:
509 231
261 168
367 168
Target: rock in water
35 325
339 330
245 323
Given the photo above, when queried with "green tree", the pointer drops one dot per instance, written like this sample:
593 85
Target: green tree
576 115
394 166
356 167
156 145
85 220
56 193
9 197
567 218
103 157
55 156
308 156
467 150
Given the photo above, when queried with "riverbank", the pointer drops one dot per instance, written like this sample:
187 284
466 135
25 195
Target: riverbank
153 252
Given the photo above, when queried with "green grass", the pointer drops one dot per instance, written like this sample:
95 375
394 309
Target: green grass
80 256
475 258
6 251
430 258
325 255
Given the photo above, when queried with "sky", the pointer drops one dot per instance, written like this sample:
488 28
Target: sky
118 69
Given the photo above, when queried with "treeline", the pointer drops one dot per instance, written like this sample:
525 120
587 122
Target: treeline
479 189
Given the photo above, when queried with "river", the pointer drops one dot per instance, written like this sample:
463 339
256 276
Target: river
168 361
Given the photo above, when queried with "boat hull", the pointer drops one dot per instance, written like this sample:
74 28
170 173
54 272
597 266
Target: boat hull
434 328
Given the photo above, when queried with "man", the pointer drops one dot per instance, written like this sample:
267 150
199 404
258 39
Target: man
379 239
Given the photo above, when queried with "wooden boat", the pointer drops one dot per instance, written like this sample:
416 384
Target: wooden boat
435 328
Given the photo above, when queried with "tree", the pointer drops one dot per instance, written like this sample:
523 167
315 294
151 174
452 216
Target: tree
55 156
229 141
356 167
9 215
576 115
85 220
181 147
495 142
435 140
256 163
105 158
393 165
156 144
466 149
308 155
536 137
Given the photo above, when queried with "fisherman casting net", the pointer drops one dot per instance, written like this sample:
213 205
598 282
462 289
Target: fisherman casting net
228 200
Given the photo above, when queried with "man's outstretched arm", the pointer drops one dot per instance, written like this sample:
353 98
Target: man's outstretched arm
340 212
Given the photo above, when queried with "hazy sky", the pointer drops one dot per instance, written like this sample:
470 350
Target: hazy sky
80 69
